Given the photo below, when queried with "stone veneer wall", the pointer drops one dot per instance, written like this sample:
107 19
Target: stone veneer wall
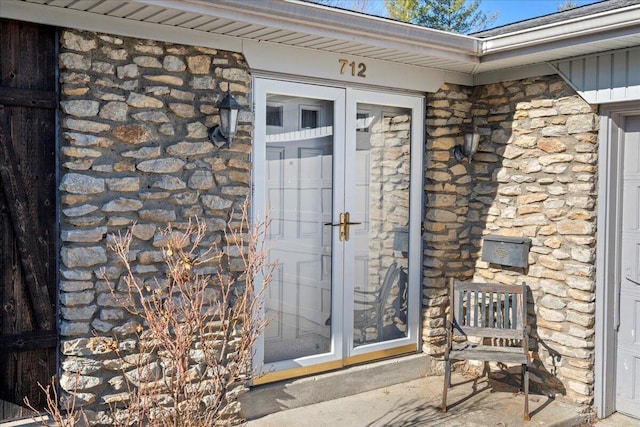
387 192
533 176
134 149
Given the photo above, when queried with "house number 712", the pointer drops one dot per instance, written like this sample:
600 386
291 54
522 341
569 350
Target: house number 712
356 69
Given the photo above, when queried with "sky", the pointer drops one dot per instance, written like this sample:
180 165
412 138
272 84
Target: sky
509 10
517 10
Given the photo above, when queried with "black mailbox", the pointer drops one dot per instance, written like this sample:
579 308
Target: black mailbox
504 250
401 239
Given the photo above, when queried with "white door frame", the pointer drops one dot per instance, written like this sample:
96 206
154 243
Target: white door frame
342 345
610 157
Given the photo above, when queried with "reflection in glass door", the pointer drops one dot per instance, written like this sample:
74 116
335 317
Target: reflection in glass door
334 169
299 182
383 144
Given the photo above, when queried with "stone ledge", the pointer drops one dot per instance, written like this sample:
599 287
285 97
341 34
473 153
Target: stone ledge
270 398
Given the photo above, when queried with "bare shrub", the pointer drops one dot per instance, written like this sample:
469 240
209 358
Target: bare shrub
186 351
63 412
195 327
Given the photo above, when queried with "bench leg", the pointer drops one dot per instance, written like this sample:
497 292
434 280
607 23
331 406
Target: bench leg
447 383
525 386
485 369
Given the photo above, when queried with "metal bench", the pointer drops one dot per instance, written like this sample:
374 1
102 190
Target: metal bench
493 312
372 307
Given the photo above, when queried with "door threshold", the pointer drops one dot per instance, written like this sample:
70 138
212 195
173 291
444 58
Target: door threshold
302 371
294 393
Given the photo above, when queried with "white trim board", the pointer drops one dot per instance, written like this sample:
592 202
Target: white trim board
270 57
516 73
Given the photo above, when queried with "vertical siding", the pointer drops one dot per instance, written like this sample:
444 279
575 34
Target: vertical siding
619 73
605 77
633 70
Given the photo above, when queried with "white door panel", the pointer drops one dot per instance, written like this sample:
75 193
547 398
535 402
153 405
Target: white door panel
299 196
628 350
321 153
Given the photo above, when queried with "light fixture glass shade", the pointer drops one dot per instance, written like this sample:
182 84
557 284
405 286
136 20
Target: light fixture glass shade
228 122
471 141
229 109
223 133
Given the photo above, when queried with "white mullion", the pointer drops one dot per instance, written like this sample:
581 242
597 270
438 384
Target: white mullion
350 205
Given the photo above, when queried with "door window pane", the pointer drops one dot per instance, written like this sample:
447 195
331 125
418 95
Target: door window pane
382 201
299 192
274 115
363 120
309 118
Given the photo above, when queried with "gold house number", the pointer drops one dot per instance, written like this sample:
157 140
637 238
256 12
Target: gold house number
357 69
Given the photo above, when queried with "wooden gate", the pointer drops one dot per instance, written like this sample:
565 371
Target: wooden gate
28 244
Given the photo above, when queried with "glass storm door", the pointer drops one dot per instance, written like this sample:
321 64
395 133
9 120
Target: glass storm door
332 169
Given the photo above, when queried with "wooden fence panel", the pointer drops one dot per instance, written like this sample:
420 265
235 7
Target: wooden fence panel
28 244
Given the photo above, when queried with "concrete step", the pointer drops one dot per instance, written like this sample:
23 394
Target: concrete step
472 402
295 393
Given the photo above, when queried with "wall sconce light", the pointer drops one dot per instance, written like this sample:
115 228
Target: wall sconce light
224 132
470 146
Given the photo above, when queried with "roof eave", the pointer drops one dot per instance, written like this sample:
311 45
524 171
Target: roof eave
528 46
612 23
325 21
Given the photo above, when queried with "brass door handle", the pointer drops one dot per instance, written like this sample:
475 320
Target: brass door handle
347 223
344 226
348 220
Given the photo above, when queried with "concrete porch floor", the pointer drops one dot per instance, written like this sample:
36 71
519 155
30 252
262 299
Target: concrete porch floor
472 402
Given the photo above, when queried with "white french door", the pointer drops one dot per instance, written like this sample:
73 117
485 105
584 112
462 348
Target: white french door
339 172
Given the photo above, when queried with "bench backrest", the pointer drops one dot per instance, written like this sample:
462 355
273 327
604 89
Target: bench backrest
488 309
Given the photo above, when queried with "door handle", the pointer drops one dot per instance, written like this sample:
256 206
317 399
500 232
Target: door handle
347 223
344 226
